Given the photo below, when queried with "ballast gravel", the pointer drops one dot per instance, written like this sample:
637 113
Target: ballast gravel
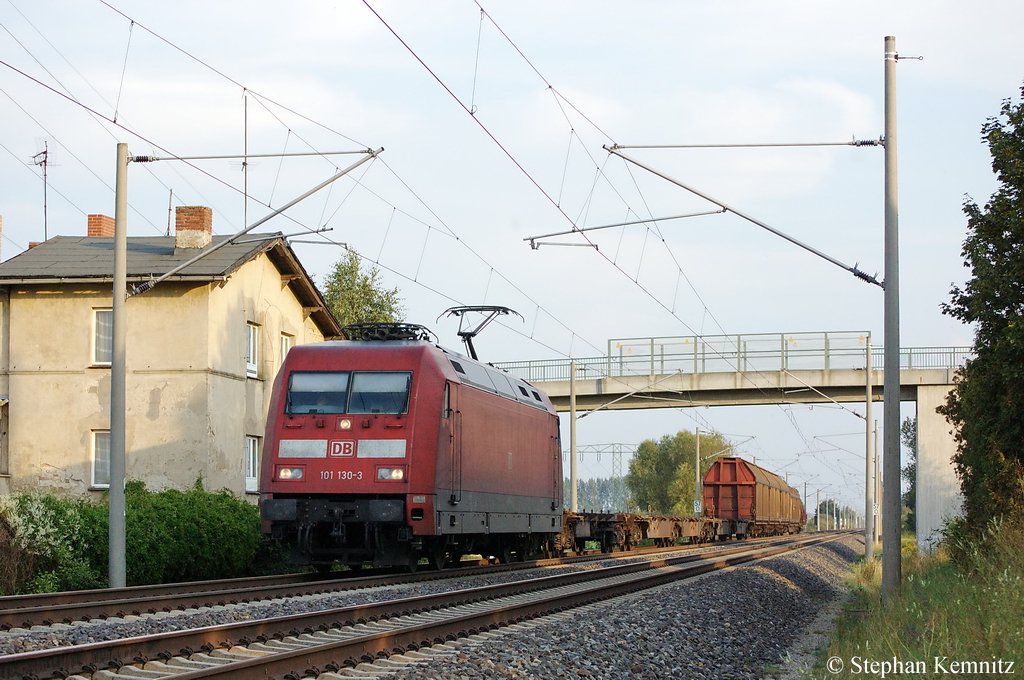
85 632
733 624
730 624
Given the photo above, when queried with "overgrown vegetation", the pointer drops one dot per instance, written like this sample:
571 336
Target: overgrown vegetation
968 610
49 543
908 437
986 405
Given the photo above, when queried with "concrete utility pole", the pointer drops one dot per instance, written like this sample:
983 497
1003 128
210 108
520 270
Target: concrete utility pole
696 474
869 467
116 518
572 438
817 509
878 489
891 575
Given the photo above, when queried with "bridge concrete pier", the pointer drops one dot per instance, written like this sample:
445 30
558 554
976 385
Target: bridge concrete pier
938 489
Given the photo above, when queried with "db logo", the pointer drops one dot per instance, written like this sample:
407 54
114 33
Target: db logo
339 447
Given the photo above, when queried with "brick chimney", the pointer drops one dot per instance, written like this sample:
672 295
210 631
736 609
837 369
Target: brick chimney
101 225
193 226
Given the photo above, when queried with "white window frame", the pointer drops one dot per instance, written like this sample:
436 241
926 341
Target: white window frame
97 359
100 467
251 464
252 350
287 342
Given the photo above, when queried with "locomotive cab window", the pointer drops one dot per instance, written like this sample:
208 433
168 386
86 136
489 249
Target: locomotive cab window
380 392
317 392
335 392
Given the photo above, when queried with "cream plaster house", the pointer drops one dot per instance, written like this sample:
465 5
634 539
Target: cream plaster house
203 349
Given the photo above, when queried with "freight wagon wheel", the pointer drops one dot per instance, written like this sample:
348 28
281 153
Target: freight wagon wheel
438 558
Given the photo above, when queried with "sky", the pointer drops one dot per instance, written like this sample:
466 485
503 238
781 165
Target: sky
493 118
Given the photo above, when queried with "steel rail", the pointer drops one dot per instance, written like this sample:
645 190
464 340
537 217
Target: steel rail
335 655
25 611
56 662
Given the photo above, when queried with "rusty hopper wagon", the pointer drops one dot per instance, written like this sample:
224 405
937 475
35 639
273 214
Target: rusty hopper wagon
750 501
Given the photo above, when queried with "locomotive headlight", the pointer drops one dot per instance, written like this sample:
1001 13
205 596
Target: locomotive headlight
290 473
391 474
344 424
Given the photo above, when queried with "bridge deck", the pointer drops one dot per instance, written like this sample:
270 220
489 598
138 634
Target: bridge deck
735 370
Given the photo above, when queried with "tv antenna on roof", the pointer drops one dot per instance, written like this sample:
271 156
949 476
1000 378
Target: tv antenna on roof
43 159
467 335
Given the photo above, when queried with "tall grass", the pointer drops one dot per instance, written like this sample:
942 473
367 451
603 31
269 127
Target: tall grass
968 610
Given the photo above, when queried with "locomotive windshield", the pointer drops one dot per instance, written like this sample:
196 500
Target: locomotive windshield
348 392
319 392
379 392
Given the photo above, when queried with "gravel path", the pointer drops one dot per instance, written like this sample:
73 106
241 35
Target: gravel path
734 624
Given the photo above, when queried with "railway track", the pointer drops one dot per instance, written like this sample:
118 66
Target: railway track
26 611
288 646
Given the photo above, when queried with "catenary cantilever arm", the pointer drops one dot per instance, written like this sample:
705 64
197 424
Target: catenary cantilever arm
853 270
146 285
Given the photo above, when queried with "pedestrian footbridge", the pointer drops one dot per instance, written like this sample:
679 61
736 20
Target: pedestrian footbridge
768 369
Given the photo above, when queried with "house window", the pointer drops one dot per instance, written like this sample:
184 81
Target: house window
286 344
252 464
102 336
252 347
101 458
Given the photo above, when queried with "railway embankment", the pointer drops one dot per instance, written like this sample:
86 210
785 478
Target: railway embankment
960 617
738 623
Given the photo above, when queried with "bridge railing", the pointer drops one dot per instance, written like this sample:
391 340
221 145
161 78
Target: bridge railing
759 353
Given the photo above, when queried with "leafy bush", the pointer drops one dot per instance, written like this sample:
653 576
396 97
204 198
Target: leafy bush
189 536
49 543
43 544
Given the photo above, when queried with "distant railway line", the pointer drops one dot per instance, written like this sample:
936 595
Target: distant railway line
339 637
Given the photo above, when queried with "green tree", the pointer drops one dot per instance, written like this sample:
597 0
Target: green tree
601 494
908 436
355 294
661 477
986 405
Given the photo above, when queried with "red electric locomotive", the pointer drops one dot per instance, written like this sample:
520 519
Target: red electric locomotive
388 449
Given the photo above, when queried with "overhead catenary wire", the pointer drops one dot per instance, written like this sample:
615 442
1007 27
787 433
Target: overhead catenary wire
554 202
140 136
124 69
560 99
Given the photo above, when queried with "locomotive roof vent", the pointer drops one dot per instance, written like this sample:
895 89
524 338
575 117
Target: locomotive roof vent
387 331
